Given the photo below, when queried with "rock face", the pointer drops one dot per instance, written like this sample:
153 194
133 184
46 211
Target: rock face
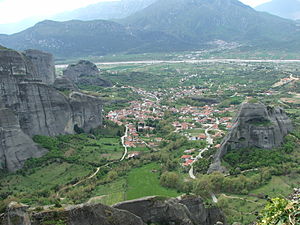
43 64
85 73
64 84
76 215
36 108
189 210
255 126
15 145
180 211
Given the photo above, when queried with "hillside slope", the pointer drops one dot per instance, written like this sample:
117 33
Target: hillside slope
73 38
216 19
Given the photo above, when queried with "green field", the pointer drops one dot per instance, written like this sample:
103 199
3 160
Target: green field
111 193
144 181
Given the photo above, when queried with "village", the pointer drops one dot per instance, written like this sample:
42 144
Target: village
195 123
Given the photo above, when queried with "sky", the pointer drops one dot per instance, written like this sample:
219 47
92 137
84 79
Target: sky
12 11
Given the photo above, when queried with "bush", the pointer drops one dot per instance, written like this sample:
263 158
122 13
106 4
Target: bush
170 180
280 211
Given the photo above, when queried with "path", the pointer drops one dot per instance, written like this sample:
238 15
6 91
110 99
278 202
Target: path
123 143
90 177
214 198
79 182
244 199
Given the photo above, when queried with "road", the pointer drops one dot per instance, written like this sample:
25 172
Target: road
123 143
199 156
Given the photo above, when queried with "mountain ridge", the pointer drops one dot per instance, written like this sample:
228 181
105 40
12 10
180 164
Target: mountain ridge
166 25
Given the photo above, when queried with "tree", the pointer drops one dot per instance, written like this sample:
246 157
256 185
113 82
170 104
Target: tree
170 180
203 187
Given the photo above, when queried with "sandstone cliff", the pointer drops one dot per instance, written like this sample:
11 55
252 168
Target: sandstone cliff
85 73
189 210
37 109
256 125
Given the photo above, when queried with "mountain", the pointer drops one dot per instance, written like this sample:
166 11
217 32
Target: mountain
105 10
289 9
73 38
98 11
201 20
166 25
81 38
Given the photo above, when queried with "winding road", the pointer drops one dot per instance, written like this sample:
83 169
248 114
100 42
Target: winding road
210 141
123 143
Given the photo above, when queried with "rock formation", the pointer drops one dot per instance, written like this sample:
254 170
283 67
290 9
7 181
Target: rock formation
43 64
178 211
85 73
64 84
15 145
255 126
186 210
36 108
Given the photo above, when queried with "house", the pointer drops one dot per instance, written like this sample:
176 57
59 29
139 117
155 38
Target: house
188 162
133 155
202 136
185 158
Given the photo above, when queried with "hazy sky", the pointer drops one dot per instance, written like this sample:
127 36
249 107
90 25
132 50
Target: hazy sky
16 10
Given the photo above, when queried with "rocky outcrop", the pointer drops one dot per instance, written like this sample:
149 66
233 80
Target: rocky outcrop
85 73
64 84
189 210
256 126
43 64
15 145
37 109
99 214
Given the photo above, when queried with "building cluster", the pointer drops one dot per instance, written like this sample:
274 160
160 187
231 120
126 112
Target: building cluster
192 122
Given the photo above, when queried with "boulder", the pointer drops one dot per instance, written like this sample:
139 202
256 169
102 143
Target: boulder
85 73
256 125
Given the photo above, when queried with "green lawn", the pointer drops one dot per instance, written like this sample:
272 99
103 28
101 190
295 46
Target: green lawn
143 182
